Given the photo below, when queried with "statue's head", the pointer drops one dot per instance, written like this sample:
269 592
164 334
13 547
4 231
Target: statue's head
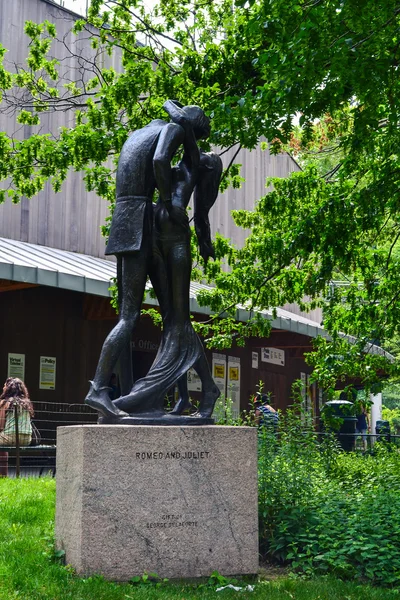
194 115
198 120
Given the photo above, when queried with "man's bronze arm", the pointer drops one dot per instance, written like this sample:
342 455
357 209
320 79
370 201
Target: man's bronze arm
171 137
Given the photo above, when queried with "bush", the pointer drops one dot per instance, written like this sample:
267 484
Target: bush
393 416
326 511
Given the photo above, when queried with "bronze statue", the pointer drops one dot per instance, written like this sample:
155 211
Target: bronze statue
154 240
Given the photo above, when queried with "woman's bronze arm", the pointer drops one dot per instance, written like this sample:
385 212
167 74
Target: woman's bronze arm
191 151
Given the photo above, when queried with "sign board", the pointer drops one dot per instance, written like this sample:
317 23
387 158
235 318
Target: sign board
16 365
219 372
254 360
320 398
234 383
47 377
274 356
303 378
193 381
304 396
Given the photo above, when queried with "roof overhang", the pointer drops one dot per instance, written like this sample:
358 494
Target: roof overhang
41 265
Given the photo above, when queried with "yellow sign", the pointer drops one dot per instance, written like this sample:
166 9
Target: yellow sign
234 373
219 371
47 380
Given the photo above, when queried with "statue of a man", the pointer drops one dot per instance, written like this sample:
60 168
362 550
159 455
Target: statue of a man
144 165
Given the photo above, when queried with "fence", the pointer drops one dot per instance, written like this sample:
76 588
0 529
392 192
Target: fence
358 442
36 460
40 459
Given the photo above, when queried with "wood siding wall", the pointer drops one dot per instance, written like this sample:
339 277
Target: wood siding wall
42 321
71 219
257 166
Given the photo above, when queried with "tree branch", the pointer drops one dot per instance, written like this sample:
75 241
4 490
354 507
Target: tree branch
225 173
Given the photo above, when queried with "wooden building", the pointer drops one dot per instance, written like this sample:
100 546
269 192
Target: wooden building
55 305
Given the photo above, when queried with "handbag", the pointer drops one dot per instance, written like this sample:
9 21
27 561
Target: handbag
36 437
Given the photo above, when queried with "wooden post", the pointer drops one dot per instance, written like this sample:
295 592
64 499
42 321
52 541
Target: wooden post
17 456
3 464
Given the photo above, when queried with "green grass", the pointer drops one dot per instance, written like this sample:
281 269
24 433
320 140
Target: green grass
29 569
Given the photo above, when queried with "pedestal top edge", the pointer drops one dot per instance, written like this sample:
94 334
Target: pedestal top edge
163 427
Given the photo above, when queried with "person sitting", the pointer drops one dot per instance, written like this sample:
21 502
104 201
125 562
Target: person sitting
14 400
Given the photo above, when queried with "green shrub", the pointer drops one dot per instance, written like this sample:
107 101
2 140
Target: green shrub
325 511
393 416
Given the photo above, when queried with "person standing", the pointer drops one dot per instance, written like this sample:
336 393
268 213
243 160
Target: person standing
363 426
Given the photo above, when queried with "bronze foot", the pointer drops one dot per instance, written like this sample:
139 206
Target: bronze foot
181 406
208 402
101 401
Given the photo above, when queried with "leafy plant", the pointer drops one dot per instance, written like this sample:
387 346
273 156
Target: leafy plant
218 580
224 414
393 416
148 579
391 396
326 511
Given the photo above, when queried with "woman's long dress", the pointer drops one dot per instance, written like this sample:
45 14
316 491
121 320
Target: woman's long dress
180 346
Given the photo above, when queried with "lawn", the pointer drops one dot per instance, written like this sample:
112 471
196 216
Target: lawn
29 569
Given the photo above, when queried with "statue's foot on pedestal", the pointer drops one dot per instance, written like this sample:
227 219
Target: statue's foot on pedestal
208 402
181 406
157 418
101 401
131 403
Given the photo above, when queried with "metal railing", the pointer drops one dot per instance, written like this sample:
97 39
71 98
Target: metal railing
18 460
35 460
356 440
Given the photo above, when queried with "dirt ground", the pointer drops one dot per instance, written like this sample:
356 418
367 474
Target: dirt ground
268 571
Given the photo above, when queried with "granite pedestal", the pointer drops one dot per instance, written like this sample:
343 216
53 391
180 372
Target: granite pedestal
176 501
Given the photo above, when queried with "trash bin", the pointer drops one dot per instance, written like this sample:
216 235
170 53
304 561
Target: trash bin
382 430
344 410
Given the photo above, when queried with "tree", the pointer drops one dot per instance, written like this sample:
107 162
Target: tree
253 65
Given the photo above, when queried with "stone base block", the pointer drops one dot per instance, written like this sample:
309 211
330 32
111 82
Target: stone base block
176 501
